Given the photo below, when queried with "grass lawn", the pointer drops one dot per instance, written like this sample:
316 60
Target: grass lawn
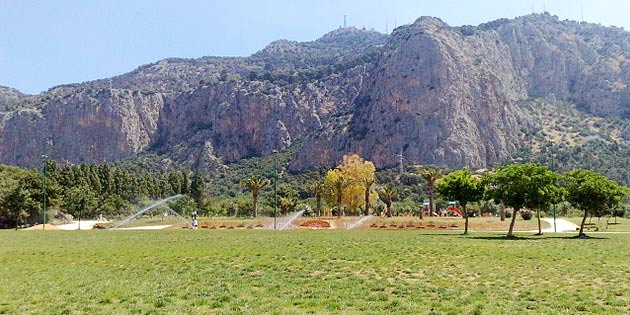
622 225
310 272
475 223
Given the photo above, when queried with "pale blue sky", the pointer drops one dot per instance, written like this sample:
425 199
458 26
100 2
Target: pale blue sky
46 43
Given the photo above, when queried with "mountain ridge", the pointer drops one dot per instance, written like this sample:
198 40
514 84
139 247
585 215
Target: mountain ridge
440 94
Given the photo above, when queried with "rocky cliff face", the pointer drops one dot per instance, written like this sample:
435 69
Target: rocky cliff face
447 95
90 125
436 97
435 93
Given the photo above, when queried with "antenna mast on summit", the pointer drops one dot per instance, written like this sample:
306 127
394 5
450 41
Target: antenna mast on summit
344 21
533 11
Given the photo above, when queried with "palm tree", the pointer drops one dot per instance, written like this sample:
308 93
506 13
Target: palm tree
318 189
367 185
255 184
388 193
285 204
338 186
430 176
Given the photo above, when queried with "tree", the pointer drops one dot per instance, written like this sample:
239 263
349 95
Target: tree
255 184
286 204
337 184
592 193
520 185
184 205
355 172
388 194
197 187
430 175
463 187
319 190
79 200
176 181
367 186
20 204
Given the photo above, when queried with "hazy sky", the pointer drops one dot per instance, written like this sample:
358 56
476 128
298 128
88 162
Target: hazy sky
47 42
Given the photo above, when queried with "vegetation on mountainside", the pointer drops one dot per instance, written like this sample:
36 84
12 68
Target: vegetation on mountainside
565 138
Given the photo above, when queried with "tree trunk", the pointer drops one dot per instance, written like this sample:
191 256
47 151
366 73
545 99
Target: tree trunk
466 218
430 199
367 201
339 197
318 199
538 216
389 209
256 205
581 234
502 210
512 223
420 213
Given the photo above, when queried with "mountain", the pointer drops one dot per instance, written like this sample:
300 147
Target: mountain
434 93
9 97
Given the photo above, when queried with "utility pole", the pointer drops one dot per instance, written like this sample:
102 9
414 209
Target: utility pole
553 206
275 192
44 157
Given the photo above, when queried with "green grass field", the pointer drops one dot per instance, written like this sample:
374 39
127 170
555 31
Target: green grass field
621 225
310 272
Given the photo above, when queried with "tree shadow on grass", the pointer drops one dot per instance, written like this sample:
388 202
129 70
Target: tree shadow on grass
533 237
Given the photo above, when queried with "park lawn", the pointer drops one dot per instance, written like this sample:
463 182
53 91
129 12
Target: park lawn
622 225
310 272
475 223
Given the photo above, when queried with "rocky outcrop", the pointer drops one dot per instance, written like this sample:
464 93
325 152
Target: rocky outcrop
91 125
445 95
229 121
436 97
581 63
9 96
434 93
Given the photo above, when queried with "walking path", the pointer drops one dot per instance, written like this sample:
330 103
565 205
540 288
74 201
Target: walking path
147 227
85 225
562 226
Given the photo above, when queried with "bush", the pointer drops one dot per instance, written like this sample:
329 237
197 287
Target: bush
508 214
526 215
308 211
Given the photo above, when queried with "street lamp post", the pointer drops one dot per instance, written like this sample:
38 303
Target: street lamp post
553 206
45 157
275 193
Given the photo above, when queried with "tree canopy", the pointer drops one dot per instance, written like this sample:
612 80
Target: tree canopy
463 187
349 180
592 192
520 185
